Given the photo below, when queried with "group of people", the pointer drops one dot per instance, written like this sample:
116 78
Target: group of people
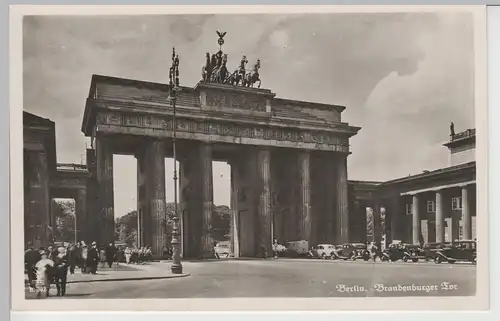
138 255
46 266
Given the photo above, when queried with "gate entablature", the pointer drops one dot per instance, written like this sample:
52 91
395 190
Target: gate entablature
213 112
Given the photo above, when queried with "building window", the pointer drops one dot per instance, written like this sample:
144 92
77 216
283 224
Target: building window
456 203
409 209
431 207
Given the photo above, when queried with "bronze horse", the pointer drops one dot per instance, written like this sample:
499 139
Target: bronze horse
206 70
239 74
252 77
219 74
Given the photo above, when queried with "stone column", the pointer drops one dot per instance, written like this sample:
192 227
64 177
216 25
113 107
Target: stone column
245 182
466 214
190 203
235 239
81 214
105 193
206 246
154 172
264 212
377 224
416 224
39 209
304 206
395 216
355 217
363 222
342 200
141 199
439 217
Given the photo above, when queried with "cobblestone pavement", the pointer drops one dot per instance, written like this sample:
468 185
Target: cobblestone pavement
290 278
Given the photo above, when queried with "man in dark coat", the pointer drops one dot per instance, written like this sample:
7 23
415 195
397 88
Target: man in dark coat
93 258
31 258
61 271
110 253
73 258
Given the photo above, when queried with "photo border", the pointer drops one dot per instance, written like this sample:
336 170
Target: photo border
480 301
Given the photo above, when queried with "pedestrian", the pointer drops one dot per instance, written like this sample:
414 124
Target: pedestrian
52 253
102 258
128 255
275 248
93 258
45 274
61 271
84 259
31 257
119 256
110 253
72 258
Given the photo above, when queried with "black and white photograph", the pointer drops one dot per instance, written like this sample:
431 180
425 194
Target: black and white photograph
322 154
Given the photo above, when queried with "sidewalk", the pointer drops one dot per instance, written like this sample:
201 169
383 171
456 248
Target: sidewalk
124 272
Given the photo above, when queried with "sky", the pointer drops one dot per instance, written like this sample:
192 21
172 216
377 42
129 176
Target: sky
403 77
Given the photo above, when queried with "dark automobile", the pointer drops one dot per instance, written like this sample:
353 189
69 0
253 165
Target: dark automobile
457 251
400 251
413 252
361 251
394 252
350 251
430 249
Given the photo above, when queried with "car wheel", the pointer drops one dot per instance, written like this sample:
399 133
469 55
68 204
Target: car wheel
438 259
323 256
414 260
451 261
383 258
353 256
405 259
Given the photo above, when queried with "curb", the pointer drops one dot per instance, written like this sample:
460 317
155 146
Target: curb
138 278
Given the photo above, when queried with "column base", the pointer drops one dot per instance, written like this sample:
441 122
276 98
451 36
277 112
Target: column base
176 269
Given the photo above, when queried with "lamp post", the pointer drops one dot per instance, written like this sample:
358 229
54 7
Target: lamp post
176 234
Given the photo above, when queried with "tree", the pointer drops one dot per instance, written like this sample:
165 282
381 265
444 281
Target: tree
126 226
64 217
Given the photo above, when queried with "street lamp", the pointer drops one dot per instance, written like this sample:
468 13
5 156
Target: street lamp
176 234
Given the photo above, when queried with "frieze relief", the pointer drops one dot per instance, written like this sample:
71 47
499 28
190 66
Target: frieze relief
227 129
235 101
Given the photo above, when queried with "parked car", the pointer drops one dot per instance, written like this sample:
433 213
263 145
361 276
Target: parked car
457 251
393 252
297 248
430 249
361 251
223 249
323 251
345 251
404 252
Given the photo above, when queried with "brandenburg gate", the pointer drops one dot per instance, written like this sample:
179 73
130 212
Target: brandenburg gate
288 159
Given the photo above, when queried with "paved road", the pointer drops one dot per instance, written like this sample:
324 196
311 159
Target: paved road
293 278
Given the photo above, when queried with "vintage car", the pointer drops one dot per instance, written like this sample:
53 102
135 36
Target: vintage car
323 251
430 249
457 251
297 248
361 251
350 251
404 252
223 249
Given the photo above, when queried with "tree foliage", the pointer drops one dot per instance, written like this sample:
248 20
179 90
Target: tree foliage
64 217
126 226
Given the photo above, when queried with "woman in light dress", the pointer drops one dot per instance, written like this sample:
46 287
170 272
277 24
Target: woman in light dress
128 255
44 274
